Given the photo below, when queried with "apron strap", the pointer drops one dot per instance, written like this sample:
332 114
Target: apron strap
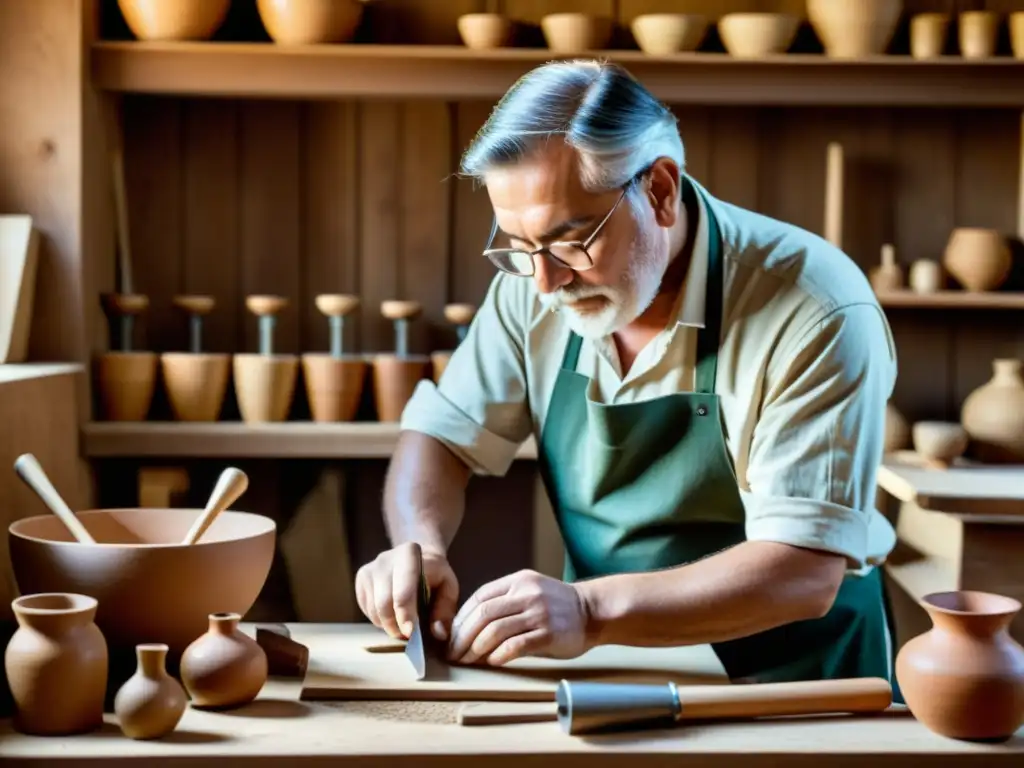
572 352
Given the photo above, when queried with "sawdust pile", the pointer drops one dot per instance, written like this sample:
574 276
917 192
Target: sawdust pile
432 712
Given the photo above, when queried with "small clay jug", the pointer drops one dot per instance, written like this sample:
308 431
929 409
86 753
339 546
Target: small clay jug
887 276
964 678
993 415
151 702
224 667
56 665
977 258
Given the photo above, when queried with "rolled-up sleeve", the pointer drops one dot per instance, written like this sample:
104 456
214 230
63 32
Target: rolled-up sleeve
817 445
480 409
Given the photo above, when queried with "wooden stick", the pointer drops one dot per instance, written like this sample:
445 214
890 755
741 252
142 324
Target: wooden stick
834 195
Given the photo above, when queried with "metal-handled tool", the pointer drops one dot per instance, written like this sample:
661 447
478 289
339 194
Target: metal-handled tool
424 652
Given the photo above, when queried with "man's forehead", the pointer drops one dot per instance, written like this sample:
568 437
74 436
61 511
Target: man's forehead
548 175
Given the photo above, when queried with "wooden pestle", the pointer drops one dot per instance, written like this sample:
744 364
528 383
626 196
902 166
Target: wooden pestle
122 309
230 485
336 306
196 307
400 312
27 467
266 308
460 315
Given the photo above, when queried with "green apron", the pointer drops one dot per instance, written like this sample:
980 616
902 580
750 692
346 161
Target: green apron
650 485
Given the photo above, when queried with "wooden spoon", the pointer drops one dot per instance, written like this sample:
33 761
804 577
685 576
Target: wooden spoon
231 484
28 469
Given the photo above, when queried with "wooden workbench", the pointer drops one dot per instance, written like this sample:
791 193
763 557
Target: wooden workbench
279 729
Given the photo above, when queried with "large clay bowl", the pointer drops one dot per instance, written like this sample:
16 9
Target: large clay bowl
174 19
150 587
753 35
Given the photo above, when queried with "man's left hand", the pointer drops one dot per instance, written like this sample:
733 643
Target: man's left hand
523 614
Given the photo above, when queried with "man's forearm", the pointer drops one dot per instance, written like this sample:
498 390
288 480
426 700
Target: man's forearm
424 493
749 588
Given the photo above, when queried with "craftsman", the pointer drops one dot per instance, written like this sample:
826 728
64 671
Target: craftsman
707 387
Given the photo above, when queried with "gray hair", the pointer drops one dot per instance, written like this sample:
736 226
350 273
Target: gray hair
614 123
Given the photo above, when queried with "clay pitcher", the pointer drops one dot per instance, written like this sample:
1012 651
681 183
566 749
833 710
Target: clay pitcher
993 415
56 665
151 702
224 667
964 678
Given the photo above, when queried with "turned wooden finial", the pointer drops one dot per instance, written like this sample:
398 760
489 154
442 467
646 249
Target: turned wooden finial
336 304
401 312
266 309
459 314
196 307
122 308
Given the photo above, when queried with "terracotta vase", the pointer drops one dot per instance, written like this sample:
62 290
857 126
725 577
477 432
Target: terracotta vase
151 702
964 678
308 22
394 379
174 19
195 383
57 665
334 386
224 667
265 386
979 259
993 415
887 276
125 382
978 34
854 28
928 35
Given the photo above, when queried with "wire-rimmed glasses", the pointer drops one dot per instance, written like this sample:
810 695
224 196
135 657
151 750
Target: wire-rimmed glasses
571 254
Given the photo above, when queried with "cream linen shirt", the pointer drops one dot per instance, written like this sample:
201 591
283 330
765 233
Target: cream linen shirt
805 368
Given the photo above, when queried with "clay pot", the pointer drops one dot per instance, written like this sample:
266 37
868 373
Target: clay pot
979 259
993 415
897 430
752 35
928 35
224 667
56 664
964 678
151 702
126 382
265 386
978 34
1016 23
888 276
939 443
195 383
308 22
854 28
576 32
334 386
926 276
484 31
151 588
662 34
174 19
394 379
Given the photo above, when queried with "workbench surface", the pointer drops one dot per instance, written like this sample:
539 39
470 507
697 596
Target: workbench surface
279 729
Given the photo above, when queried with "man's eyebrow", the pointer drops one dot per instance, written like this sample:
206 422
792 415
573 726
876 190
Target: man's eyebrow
556 231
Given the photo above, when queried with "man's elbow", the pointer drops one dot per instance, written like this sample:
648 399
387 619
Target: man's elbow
822 583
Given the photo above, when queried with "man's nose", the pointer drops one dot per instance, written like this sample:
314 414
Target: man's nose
549 275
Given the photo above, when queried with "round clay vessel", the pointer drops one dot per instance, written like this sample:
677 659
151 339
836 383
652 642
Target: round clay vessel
978 33
309 22
964 678
926 276
483 31
334 386
151 702
928 34
993 415
939 441
265 386
56 665
394 380
854 28
979 259
752 35
126 382
223 667
174 19
196 383
576 32
662 34
151 588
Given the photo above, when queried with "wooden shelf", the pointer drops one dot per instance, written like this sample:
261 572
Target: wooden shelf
266 70
287 440
952 300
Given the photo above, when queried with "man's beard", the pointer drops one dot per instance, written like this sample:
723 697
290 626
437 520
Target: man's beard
613 307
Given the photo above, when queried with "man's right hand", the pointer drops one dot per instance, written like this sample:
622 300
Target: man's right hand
387 588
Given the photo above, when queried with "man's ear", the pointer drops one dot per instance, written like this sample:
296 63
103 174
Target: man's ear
662 191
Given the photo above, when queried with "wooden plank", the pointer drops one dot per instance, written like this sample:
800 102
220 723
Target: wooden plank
361 440
952 299
343 670
965 488
735 161
454 72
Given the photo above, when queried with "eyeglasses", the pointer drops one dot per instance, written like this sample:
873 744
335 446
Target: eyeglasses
572 254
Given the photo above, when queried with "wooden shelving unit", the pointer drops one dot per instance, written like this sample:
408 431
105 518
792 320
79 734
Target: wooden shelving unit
286 440
952 300
370 71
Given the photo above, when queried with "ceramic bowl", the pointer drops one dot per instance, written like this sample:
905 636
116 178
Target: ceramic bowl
752 35
310 22
576 32
150 587
484 31
174 19
939 441
662 34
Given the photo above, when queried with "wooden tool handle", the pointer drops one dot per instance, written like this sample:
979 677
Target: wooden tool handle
230 486
780 699
29 470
